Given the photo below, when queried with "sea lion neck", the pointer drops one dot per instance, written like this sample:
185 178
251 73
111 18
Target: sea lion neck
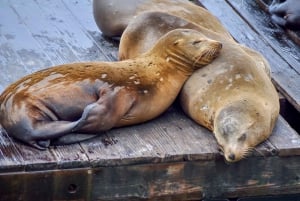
174 58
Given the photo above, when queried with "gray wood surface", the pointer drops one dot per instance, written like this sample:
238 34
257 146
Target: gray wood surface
169 157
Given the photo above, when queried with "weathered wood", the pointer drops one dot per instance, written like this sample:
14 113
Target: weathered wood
287 80
291 139
274 35
294 197
171 137
46 34
190 180
74 35
86 20
20 53
10 158
46 185
169 158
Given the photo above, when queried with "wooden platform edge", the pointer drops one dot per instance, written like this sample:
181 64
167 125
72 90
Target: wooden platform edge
189 180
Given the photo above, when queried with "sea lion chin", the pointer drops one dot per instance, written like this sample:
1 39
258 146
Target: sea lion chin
72 102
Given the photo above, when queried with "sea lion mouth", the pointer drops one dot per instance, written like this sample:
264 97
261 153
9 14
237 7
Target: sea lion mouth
234 156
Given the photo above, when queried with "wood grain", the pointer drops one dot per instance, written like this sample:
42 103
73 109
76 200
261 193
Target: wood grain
169 158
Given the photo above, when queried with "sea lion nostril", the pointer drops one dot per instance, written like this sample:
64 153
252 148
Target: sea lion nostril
231 157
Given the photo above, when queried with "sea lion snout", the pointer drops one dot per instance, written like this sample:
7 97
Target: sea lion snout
235 153
208 54
195 45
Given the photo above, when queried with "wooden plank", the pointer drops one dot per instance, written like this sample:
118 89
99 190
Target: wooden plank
70 156
46 185
70 30
197 179
171 137
34 159
73 184
86 20
286 79
189 180
20 54
285 139
294 197
12 186
271 33
10 158
40 27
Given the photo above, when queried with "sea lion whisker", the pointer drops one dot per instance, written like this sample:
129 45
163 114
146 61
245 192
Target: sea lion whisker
247 152
207 55
221 150
259 152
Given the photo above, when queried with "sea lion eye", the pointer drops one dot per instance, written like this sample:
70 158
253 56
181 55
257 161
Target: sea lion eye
242 138
196 42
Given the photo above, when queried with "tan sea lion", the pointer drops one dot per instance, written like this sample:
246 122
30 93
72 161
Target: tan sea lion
233 96
65 103
113 16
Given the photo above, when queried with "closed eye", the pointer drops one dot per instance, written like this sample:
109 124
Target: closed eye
197 42
242 138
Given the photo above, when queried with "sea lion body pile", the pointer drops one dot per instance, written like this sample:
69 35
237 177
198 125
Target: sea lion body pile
233 96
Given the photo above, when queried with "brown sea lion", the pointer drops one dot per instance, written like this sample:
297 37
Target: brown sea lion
65 103
113 16
233 96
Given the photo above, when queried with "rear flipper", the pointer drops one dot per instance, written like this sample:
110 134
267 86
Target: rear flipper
72 138
96 118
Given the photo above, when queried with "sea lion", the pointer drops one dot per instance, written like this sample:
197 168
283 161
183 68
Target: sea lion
113 16
65 103
232 96
285 13
142 32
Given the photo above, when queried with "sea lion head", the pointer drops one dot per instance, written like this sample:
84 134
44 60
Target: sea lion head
239 128
187 48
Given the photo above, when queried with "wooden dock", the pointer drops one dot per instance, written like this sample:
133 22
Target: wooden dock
169 158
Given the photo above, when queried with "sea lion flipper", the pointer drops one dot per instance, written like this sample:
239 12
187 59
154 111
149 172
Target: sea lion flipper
80 122
278 8
72 138
37 145
106 112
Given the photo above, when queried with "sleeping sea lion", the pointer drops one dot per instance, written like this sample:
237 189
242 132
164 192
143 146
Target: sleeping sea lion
233 96
66 103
